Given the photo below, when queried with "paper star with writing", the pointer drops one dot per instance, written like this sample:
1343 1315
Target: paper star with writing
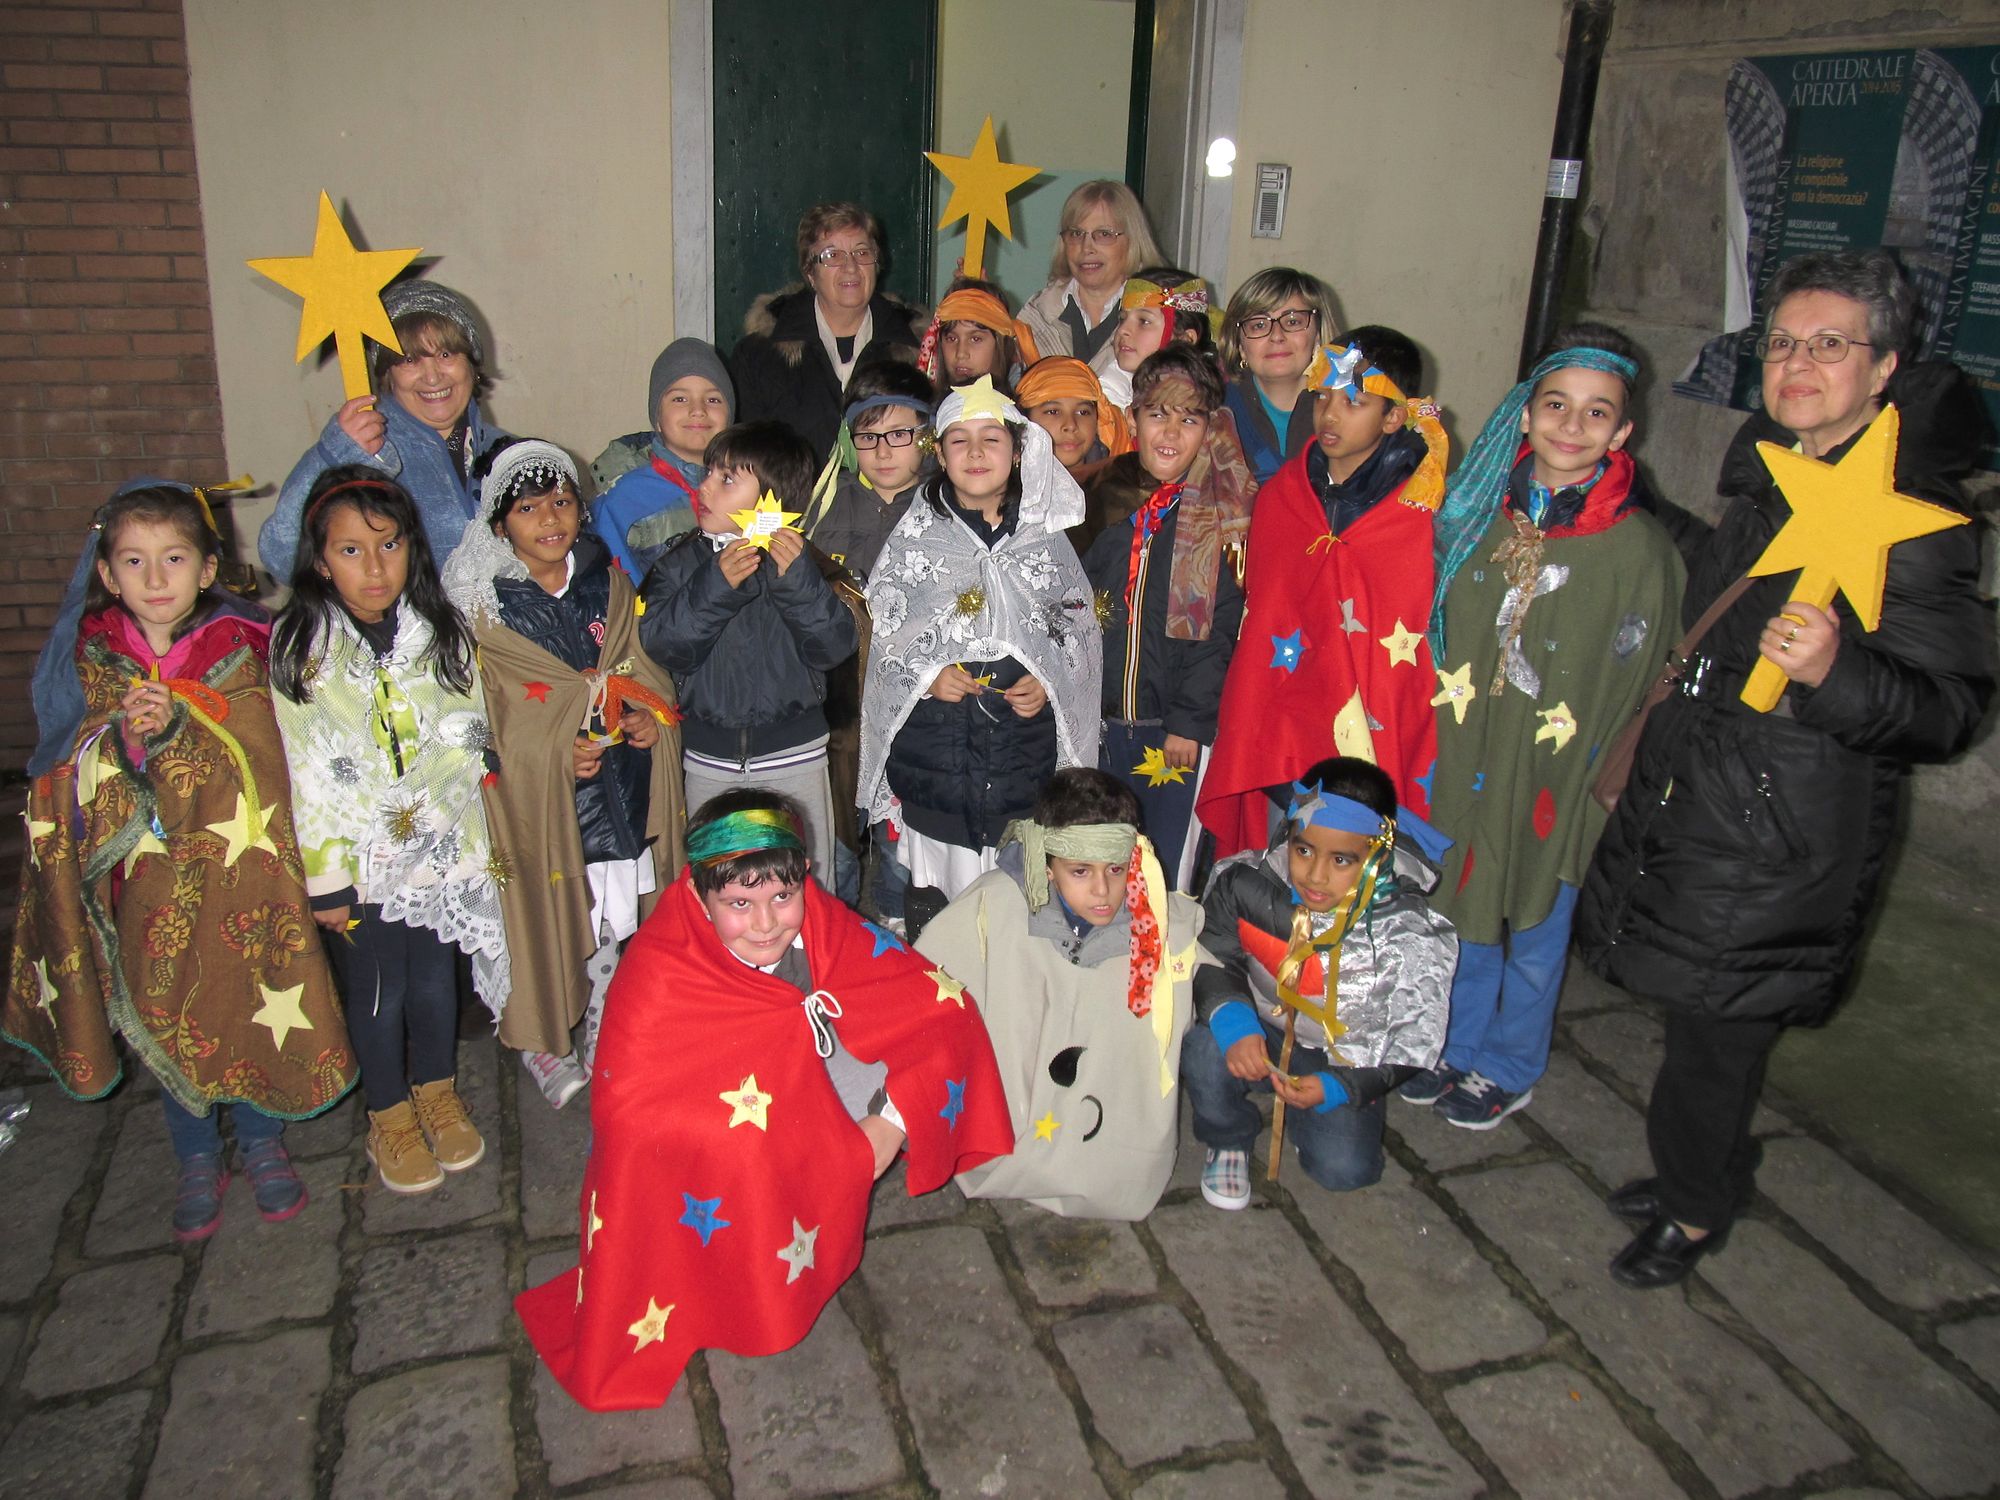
764 520
342 288
38 829
701 1215
1153 766
1287 649
1347 621
1401 644
45 990
1351 729
281 1011
591 1227
1455 689
798 1255
652 1326
980 184
244 832
947 987
535 692
954 1101
885 940
1047 1126
1559 726
149 843
748 1104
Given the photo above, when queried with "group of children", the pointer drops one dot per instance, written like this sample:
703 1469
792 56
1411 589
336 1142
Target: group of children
1044 653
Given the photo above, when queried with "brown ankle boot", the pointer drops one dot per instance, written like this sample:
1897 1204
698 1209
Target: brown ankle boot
453 1140
396 1147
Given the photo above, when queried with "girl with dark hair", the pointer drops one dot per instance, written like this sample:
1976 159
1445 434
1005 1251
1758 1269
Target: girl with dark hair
387 736
1161 305
163 900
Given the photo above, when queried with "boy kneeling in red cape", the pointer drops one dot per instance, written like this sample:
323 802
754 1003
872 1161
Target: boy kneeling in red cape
727 1191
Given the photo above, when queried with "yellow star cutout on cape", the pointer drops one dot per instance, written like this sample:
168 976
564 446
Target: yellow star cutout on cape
281 1012
149 843
947 987
747 1103
1047 1126
980 184
342 287
91 772
1455 688
652 1326
1351 735
1153 766
45 991
244 832
1402 645
38 829
1845 518
595 1224
764 520
1560 726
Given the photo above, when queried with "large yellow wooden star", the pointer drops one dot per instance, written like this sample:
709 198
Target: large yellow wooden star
1402 645
947 987
748 1103
281 1012
764 520
1153 766
1845 518
245 831
652 1325
980 184
1455 688
342 287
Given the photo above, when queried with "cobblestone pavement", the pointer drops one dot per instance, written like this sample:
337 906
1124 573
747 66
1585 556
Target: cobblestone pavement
1450 1332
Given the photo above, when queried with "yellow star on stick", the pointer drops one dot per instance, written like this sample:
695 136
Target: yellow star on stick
244 832
342 287
1153 766
764 520
281 1012
1845 518
947 987
1560 725
980 184
1402 645
748 1104
652 1325
1455 688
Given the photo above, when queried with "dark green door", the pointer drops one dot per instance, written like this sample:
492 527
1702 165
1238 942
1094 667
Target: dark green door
810 106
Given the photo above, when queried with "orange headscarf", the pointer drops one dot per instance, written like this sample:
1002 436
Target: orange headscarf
1060 378
971 305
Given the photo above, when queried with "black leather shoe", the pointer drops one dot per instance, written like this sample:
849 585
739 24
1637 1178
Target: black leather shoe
1661 1255
1636 1202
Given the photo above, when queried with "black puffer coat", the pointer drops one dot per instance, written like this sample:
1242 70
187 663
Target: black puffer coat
1737 875
611 806
780 366
965 770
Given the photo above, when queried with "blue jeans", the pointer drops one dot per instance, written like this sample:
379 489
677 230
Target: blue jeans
1341 1150
1503 1000
892 877
200 1135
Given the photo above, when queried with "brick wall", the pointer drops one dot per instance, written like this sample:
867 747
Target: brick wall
107 362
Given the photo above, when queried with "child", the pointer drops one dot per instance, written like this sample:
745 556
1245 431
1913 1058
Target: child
750 627
1330 983
1168 576
1558 604
884 448
588 813
1087 998
973 334
1062 396
162 900
1333 657
1160 306
984 673
1271 335
736 1129
387 737
688 400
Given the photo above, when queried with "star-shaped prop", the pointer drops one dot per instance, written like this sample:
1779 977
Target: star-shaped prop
1455 689
535 692
798 1255
244 832
982 400
885 940
1286 650
342 287
980 184
1348 623
281 1012
1047 1126
1353 730
764 520
45 991
702 1216
149 843
1402 645
748 1104
1153 766
954 1101
38 829
590 1229
1559 725
652 1325
947 987
1845 518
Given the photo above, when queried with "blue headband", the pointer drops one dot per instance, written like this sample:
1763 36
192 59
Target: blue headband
1315 807
875 403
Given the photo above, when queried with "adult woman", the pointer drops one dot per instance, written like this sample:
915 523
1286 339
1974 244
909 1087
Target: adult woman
425 434
1736 878
1275 324
1103 240
800 344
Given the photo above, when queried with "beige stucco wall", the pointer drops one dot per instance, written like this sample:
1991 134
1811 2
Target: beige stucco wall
1418 138
521 143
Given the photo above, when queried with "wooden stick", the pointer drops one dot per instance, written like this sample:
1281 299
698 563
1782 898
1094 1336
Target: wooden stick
1278 1100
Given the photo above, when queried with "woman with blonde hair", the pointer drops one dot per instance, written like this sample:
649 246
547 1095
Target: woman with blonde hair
1104 238
1273 328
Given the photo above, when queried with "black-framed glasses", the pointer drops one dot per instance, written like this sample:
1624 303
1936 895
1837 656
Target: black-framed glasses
1825 348
1076 234
833 255
895 437
1292 320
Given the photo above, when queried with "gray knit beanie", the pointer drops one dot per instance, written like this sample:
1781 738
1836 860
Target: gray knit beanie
681 358
420 296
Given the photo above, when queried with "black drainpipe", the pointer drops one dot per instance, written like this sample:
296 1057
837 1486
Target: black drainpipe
1141 97
1589 25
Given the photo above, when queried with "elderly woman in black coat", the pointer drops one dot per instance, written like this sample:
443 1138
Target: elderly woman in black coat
1735 880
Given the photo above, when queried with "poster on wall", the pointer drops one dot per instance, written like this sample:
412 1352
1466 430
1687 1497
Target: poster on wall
1844 150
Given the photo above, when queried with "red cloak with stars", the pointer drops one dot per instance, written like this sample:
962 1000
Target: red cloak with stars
683 1211
1275 722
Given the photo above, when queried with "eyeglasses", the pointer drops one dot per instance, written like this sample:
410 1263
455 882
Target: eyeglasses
1293 320
1825 348
895 437
1076 235
833 255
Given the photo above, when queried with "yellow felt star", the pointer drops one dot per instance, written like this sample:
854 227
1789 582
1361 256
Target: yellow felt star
281 1012
652 1326
1153 766
38 828
555 876
1455 688
764 520
1560 726
1845 518
1047 1126
590 1229
149 843
90 773
947 988
342 287
1351 734
981 400
579 1286
45 990
980 184
244 832
748 1103
1402 645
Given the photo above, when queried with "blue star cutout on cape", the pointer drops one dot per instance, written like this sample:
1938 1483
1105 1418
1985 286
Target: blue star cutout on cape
954 1102
884 939
701 1216
1287 649
1479 781
1427 779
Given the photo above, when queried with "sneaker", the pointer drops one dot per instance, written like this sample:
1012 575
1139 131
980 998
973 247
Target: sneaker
453 1140
274 1182
1225 1178
1428 1085
559 1078
397 1150
198 1199
1476 1102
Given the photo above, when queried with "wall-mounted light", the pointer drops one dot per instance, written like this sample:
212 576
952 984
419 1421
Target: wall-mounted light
1221 156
